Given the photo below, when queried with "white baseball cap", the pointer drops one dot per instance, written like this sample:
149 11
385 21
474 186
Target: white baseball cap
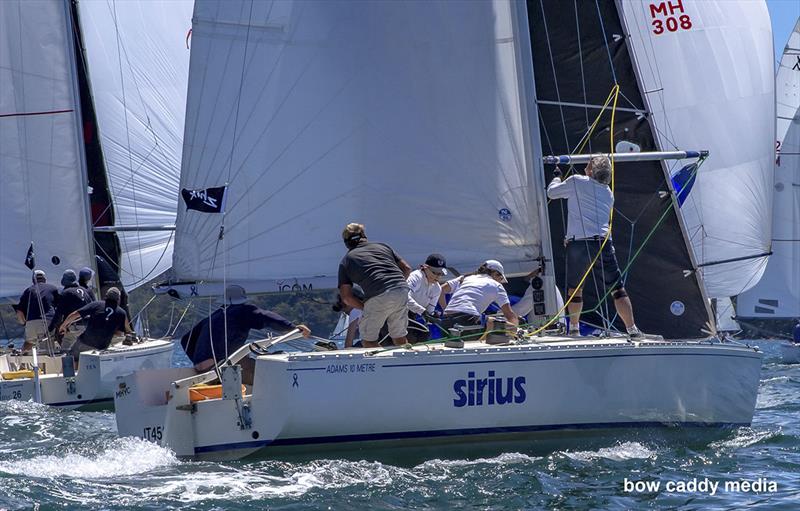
496 266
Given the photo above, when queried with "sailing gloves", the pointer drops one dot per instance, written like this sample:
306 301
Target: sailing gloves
557 172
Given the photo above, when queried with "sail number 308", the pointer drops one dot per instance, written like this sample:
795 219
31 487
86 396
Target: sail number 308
669 17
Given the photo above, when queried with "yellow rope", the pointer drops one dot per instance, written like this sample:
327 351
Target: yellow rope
614 94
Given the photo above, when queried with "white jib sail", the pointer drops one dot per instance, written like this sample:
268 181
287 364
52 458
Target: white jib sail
707 71
406 117
777 295
42 173
138 66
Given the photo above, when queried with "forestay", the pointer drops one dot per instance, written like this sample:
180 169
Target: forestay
407 117
707 70
777 294
41 160
138 64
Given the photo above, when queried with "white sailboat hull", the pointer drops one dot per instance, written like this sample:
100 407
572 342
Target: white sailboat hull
305 402
94 383
790 353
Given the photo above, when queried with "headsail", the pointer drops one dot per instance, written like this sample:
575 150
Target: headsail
777 294
579 54
42 170
706 67
319 113
138 64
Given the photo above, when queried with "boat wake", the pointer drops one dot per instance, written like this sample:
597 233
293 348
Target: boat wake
118 457
621 452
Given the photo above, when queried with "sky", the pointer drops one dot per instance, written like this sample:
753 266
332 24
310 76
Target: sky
784 14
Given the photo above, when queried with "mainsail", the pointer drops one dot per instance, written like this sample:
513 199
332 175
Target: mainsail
706 68
408 117
777 294
580 51
42 168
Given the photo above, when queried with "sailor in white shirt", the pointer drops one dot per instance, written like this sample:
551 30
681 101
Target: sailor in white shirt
589 202
423 283
474 293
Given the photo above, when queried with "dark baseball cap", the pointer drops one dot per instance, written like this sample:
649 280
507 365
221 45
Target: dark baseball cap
437 262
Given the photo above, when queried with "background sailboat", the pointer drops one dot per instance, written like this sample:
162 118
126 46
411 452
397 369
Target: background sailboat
768 308
66 183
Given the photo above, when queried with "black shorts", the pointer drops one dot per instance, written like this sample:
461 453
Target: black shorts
580 254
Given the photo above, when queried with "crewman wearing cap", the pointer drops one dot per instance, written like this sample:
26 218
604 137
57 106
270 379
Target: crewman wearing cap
475 293
85 281
71 298
382 274
205 342
104 320
36 308
589 203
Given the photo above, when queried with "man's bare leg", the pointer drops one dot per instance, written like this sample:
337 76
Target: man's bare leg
625 310
575 307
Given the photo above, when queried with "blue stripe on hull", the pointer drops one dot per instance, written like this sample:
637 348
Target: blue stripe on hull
83 402
459 432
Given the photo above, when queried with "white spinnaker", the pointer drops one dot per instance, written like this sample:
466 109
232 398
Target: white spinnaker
138 67
710 85
403 116
777 294
42 174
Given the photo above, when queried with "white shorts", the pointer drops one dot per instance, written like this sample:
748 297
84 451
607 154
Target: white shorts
390 307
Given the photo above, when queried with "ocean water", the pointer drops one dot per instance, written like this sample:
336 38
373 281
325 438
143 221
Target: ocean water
54 459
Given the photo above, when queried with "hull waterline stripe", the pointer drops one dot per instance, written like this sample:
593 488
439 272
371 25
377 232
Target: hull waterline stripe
83 402
461 432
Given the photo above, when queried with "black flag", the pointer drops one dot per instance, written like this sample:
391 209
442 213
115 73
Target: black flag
209 200
30 259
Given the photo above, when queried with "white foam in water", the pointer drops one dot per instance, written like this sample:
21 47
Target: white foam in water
502 459
745 437
621 452
122 457
251 483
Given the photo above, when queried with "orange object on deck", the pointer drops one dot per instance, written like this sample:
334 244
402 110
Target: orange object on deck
204 392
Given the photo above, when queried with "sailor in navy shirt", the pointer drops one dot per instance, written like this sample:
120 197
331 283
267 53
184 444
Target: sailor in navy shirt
29 312
104 320
205 342
71 298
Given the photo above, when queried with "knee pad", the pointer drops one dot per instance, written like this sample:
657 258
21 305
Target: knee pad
619 293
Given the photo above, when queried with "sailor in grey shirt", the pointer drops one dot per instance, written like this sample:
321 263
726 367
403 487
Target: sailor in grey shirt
382 274
589 203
